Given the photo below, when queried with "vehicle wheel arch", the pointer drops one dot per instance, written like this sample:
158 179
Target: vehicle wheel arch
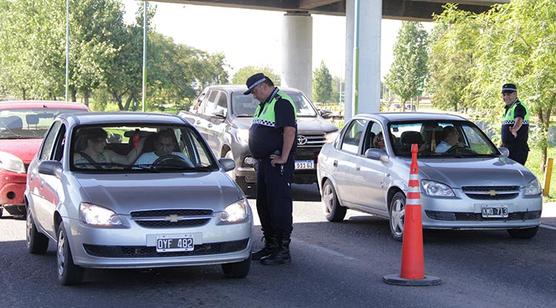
57 221
321 187
391 192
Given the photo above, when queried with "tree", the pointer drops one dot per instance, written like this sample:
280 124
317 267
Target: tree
409 69
322 84
245 72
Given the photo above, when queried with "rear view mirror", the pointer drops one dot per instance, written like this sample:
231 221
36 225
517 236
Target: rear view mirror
327 114
504 151
377 154
50 167
227 164
221 113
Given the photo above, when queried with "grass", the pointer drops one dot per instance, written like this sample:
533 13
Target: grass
534 164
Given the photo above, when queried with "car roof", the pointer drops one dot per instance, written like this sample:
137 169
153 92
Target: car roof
410 116
26 104
243 88
91 118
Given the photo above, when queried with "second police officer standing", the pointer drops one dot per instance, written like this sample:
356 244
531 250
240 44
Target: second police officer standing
272 139
515 124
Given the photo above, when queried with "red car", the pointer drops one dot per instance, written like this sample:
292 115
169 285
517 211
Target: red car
23 125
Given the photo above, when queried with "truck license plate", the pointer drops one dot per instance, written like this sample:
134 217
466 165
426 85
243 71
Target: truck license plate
304 164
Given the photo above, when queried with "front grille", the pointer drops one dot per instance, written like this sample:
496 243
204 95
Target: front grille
307 141
177 218
150 252
491 192
466 216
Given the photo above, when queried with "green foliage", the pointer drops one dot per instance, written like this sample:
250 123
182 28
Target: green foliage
409 70
240 77
322 84
513 42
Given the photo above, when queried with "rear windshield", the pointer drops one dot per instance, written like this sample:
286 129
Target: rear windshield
245 105
28 123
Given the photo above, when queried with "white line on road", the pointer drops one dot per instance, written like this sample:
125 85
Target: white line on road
548 227
322 249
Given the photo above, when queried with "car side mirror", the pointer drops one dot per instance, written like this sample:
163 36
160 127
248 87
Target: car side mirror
326 114
227 164
377 154
221 113
504 151
50 167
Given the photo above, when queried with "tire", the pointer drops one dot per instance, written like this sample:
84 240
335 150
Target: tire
68 272
526 233
396 209
333 211
37 243
237 270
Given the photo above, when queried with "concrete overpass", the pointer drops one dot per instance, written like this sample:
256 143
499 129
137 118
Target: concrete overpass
363 21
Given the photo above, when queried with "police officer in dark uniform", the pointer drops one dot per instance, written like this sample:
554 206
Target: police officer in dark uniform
515 124
272 142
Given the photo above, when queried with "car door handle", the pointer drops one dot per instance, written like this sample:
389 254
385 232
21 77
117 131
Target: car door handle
209 125
197 121
357 168
335 163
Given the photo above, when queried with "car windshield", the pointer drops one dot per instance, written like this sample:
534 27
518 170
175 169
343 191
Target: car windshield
28 123
139 148
245 105
441 139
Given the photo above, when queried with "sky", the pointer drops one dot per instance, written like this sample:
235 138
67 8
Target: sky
233 31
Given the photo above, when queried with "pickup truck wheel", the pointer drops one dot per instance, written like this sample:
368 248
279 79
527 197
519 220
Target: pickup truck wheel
37 243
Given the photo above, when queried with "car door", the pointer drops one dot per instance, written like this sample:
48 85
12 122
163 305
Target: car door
345 162
41 186
373 174
217 123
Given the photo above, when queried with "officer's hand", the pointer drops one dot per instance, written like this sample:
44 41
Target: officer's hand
277 160
514 133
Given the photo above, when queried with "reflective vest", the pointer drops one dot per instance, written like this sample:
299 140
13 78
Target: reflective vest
267 116
509 117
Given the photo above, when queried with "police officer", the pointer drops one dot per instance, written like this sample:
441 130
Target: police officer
515 124
272 142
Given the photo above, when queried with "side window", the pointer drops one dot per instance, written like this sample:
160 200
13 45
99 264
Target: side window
353 135
49 140
222 103
374 137
209 104
60 144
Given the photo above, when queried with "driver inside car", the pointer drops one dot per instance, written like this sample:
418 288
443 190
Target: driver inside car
91 150
451 139
164 146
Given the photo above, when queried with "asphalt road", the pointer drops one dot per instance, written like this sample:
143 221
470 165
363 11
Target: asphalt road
334 265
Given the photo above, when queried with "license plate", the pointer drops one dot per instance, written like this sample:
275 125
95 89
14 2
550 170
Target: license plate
304 164
494 212
165 243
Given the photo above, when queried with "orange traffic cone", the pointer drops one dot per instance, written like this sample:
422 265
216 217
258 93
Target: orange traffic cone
413 264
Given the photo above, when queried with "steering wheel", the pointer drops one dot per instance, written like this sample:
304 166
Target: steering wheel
171 160
459 148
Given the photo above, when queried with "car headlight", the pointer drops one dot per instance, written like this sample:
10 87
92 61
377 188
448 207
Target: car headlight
533 188
330 137
236 212
98 216
242 136
435 189
11 163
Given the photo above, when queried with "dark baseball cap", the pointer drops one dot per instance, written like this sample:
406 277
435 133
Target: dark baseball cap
509 88
254 81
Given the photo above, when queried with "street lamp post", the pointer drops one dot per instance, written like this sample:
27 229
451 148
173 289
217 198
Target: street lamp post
145 6
67 48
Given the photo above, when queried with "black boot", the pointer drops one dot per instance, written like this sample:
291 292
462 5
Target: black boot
270 245
280 255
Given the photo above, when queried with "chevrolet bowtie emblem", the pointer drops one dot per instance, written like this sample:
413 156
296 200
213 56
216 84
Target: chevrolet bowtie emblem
492 192
172 218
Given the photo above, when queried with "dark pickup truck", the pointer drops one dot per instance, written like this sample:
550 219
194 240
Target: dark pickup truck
223 115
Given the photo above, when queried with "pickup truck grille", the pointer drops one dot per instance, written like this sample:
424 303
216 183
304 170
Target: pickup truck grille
310 140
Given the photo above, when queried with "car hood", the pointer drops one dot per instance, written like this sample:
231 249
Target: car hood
460 172
125 193
25 149
309 126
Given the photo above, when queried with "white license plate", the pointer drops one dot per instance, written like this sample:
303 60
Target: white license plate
170 243
304 164
494 212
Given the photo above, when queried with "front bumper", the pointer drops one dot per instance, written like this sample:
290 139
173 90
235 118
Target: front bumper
134 247
12 188
465 213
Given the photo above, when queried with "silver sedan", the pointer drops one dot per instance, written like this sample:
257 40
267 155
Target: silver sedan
126 190
465 181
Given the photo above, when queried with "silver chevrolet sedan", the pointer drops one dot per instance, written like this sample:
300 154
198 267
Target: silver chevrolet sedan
130 190
466 182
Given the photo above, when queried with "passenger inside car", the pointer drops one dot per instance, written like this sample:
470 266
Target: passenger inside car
164 144
378 141
90 150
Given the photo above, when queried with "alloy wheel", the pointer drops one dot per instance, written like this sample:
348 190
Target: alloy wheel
397 217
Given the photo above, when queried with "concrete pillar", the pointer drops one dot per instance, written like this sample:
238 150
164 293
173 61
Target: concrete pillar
297 51
363 19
